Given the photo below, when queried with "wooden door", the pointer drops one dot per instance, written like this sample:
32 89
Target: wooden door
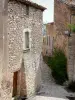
15 84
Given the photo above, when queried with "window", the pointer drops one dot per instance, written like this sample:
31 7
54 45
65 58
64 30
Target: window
26 39
27 10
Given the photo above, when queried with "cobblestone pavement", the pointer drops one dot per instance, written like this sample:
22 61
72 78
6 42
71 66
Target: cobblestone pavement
49 89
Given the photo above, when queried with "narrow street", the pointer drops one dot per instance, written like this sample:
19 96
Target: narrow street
49 89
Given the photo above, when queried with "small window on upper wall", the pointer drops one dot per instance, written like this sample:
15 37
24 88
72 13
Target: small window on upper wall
26 40
27 9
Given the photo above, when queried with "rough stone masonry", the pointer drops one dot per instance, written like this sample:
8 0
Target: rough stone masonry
21 74
64 14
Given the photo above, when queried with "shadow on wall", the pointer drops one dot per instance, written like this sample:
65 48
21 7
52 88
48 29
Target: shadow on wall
38 77
23 91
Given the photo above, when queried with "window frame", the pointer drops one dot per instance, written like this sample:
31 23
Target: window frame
30 39
27 39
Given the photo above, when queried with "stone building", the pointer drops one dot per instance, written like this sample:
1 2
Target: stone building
64 14
48 39
20 48
50 29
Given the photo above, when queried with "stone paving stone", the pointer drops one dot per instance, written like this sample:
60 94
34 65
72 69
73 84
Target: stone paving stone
48 86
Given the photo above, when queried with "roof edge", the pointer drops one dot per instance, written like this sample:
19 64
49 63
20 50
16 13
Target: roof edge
70 4
30 3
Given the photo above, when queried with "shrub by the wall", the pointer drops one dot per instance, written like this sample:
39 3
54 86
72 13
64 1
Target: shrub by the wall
58 64
72 27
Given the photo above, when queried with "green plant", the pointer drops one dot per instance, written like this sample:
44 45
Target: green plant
72 27
16 98
58 64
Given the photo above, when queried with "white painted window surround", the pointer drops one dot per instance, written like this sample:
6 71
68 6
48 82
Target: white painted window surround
25 36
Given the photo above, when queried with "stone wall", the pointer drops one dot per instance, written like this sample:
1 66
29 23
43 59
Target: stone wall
50 29
5 81
1 43
71 52
71 57
61 19
48 39
18 21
